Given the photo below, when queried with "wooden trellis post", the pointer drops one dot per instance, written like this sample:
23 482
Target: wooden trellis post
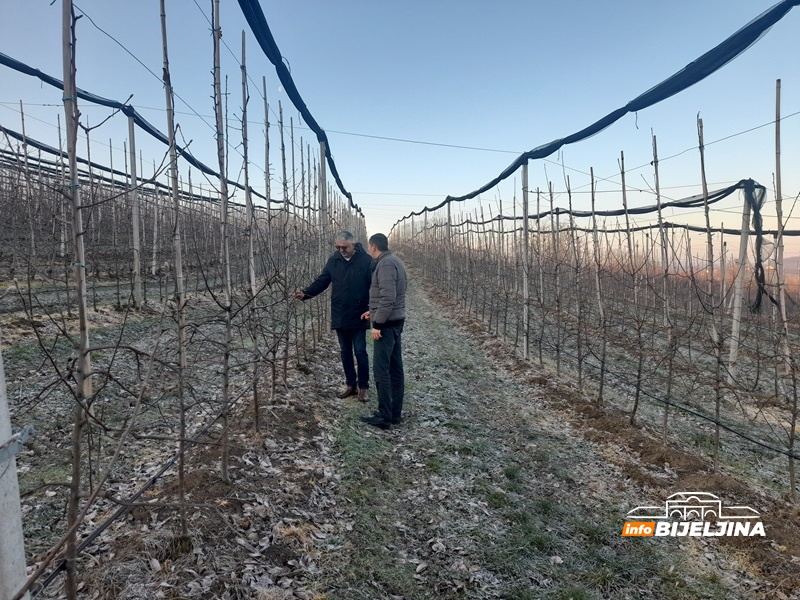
600 306
788 362
738 292
663 238
251 267
526 265
540 268
156 217
251 235
556 258
29 204
323 195
225 234
576 272
135 218
267 187
708 304
448 244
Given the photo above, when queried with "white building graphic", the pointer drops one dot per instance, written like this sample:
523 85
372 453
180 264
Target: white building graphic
694 506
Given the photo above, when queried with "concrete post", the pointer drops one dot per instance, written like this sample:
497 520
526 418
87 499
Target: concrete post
12 543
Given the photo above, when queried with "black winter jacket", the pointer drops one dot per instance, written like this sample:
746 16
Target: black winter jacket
350 294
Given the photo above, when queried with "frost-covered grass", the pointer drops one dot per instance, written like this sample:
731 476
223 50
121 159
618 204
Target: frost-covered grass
482 493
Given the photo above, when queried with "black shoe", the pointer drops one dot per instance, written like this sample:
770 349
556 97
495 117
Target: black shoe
376 421
396 420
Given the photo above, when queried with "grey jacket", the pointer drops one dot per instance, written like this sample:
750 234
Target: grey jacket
387 292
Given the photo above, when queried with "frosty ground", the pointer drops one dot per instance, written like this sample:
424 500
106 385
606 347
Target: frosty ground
502 482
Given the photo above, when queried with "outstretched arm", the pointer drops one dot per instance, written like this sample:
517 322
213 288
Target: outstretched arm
319 285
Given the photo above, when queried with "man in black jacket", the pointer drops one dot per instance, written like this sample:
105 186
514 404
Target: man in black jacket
349 271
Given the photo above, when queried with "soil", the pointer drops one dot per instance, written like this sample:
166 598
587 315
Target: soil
503 481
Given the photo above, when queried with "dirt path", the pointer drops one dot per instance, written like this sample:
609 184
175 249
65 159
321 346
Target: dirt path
491 489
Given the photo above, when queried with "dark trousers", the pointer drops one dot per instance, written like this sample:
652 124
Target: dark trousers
387 367
354 341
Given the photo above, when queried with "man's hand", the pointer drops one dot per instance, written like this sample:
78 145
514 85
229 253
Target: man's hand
365 316
376 335
299 294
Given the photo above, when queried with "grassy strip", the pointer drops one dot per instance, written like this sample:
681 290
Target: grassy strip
536 543
507 501
372 486
551 549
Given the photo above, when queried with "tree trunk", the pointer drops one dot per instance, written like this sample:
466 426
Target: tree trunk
179 284
83 374
226 259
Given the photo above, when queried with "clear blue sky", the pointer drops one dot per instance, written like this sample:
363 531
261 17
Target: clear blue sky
506 75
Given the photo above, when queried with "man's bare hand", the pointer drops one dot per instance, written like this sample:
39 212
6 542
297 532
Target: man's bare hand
376 335
365 316
299 294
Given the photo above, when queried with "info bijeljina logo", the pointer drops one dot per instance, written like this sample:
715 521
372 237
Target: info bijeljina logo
693 514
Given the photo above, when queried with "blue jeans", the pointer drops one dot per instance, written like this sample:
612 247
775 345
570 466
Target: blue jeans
387 364
354 341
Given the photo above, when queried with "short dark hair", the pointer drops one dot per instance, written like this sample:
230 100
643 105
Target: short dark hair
380 241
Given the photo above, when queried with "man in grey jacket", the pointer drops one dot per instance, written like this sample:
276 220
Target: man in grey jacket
387 311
